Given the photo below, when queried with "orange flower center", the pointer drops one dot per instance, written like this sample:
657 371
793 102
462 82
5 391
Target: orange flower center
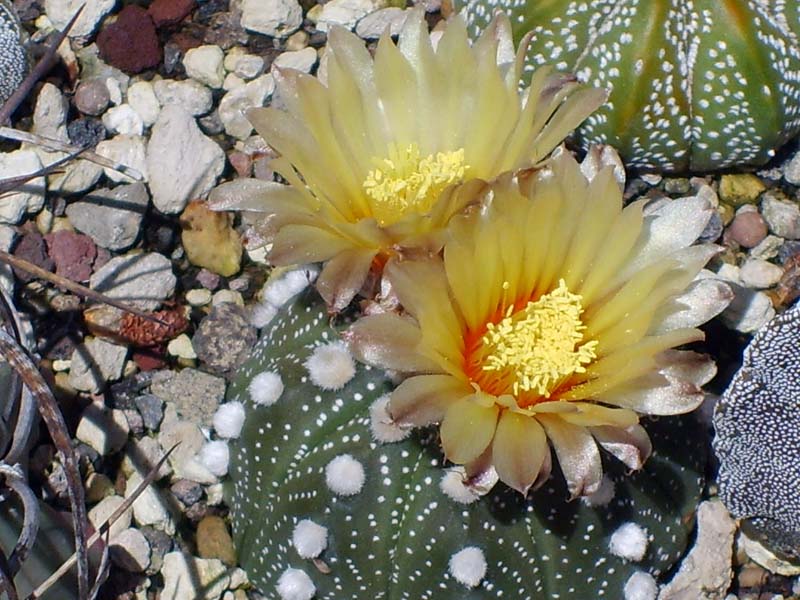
530 352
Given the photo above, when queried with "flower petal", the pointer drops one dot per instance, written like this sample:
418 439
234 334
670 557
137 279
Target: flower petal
703 300
342 277
389 341
467 429
589 414
300 244
577 454
518 450
630 445
424 399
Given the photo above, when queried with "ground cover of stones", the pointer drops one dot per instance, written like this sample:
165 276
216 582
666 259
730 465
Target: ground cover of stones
162 88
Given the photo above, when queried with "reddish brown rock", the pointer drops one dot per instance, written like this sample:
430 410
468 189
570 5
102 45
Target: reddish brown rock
73 253
748 229
31 247
170 12
130 43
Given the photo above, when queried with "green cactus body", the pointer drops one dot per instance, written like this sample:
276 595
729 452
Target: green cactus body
392 532
695 84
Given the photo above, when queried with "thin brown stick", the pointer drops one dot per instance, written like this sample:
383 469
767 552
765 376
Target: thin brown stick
42 67
11 183
59 146
19 360
75 288
67 564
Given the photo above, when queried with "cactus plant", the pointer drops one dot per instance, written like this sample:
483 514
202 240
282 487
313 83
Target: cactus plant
13 59
756 439
321 508
695 85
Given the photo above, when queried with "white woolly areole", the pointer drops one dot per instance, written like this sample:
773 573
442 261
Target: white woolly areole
261 314
640 586
309 539
344 475
278 292
331 366
468 566
629 541
383 428
229 419
452 485
215 456
295 584
603 495
265 388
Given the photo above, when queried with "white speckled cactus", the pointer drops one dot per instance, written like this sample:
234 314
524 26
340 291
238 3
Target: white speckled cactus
13 61
321 509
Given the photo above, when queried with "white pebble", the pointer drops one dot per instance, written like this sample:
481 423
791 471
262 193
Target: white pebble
295 584
229 419
629 541
331 366
603 495
640 586
468 566
309 539
266 388
344 475
215 456
383 428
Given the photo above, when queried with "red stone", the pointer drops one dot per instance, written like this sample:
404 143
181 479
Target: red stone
73 253
170 12
130 43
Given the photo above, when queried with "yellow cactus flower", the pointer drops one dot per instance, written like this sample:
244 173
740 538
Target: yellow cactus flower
371 156
553 315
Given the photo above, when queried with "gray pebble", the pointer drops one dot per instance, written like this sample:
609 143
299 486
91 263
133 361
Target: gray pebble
94 363
195 394
112 218
142 280
224 338
188 492
152 410
782 215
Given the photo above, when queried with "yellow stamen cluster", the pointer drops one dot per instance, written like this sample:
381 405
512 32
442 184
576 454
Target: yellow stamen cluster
536 347
404 182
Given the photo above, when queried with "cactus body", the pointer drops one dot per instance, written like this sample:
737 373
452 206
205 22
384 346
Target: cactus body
399 535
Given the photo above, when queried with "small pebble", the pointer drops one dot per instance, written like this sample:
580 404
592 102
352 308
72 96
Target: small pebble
130 43
214 540
204 64
224 338
782 215
740 189
759 274
748 229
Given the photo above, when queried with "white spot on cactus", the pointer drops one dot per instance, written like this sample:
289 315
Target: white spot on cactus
331 366
456 486
344 475
266 388
295 584
629 541
468 566
278 292
640 586
309 538
383 428
215 456
603 495
229 419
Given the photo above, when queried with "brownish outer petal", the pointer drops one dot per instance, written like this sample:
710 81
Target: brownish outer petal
424 399
343 276
577 454
631 445
518 450
388 341
299 244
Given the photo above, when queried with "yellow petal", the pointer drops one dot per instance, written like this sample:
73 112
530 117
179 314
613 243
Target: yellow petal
518 450
389 341
467 430
577 454
424 399
298 244
589 414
